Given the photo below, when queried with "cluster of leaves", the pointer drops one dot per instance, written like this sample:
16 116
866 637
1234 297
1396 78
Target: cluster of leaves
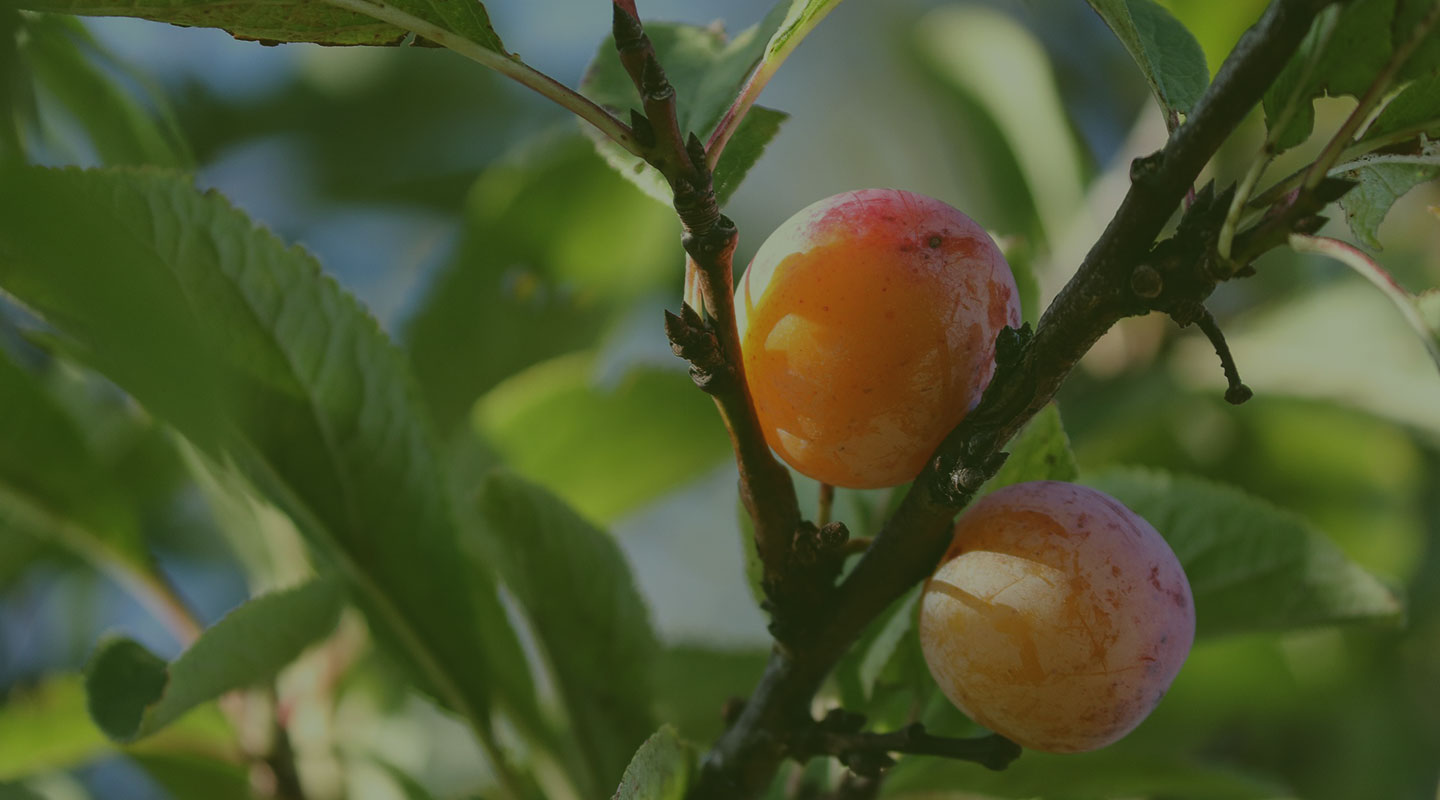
265 382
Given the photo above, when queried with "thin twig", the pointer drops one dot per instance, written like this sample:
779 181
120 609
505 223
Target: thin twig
764 71
712 346
503 63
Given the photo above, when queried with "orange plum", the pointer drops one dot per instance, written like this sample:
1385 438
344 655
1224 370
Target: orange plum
1058 618
868 323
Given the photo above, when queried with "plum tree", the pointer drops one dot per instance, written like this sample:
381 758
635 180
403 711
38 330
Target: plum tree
867 323
1058 617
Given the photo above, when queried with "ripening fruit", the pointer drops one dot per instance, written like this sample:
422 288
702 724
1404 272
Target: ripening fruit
868 324
1058 618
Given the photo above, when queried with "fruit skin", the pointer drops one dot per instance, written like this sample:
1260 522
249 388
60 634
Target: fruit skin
1058 618
868 323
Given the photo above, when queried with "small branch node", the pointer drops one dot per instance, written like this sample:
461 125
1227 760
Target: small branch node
694 340
1145 282
643 130
629 32
1146 167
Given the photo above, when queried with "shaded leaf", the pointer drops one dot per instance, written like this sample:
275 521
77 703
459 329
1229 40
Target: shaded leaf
693 682
1166 52
133 693
606 449
660 770
1111 772
1031 160
255 355
745 148
292 20
1342 55
71 67
11 791
1409 305
596 632
1040 452
553 243
1251 566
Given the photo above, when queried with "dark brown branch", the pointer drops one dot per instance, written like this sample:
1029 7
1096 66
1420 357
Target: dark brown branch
744 760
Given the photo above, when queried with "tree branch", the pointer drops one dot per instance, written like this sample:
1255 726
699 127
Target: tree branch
1029 371
712 346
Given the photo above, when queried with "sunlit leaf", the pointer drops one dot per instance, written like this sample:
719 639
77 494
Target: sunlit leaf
133 693
46 727
1251 566
1165 51
660 770
248 349
596 631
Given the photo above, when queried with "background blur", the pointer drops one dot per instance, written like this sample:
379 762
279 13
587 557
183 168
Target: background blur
476 223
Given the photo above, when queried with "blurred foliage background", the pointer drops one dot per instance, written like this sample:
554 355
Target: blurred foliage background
525 279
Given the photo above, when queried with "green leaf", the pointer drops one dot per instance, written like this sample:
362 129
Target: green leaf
1343 55
707 71
1416 108
1040 452
1168 55
1408 304
192 775
11 791
291 20
745 148
53 485
255 355
46 727
133 693
865 663
1383 180
693 682
1030 161
1111 772
1251 566
606 449
660 770
575 588
554 245
71 67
